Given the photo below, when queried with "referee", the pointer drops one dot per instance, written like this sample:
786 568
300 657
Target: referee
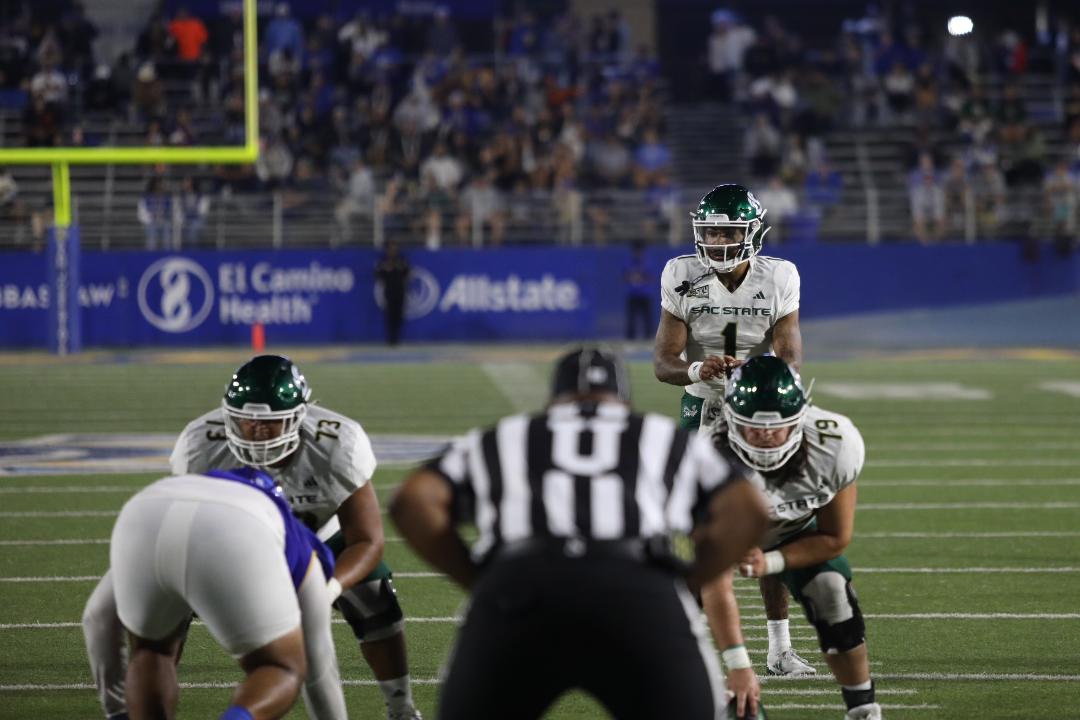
572 583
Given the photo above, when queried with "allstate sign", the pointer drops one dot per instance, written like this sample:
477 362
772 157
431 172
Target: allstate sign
175 294
510 293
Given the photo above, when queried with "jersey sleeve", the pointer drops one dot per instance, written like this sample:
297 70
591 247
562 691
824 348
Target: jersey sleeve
790 292
670 299
196 445
850 458
352 464
703 472
453 466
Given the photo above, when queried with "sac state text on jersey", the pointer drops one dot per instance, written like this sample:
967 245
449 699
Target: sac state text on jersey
714 310
812 502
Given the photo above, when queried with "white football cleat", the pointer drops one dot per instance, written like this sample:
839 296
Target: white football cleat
410 714
789 664
870 711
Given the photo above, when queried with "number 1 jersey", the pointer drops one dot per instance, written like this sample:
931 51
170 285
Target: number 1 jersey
722 322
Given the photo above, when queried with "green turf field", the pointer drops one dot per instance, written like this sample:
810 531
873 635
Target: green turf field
966 556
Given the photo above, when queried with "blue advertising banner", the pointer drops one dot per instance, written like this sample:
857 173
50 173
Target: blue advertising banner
135 299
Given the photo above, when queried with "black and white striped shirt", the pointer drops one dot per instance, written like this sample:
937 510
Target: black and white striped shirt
591 471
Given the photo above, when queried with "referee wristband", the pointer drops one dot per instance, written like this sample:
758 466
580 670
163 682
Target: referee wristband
694 371
774 562
736 658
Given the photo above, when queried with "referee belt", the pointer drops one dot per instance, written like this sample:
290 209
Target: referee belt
656 551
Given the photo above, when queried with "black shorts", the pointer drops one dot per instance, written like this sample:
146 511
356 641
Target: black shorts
540 624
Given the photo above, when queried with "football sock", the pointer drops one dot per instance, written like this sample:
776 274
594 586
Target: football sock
856 695
397 693
236 712
779 637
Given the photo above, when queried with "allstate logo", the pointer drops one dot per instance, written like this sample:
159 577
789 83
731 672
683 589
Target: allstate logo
168 296
421 294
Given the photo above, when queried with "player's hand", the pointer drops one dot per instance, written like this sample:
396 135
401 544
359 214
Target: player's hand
730 363
745 691
711 368
753 563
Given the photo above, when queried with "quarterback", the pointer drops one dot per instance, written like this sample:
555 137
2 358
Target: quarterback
720 306
324 463
807 461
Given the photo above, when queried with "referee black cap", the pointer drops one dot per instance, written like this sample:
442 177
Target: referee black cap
588 370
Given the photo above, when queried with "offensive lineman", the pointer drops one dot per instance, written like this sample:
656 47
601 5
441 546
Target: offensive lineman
807 461
720 306
324 462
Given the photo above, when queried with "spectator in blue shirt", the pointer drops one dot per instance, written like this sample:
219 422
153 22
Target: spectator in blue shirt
283 33
823 187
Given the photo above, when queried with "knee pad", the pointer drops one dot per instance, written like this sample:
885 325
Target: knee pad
833 610
372 610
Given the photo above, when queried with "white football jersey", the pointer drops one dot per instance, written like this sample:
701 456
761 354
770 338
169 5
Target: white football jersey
333 460
834 458
722 322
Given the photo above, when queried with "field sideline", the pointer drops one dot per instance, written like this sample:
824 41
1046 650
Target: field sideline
966 555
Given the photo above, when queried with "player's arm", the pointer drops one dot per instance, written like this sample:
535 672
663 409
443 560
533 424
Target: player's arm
787 339
362 529
423 511
835 526
722 611
671 336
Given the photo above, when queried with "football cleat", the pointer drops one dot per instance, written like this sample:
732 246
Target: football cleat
410 714
870 711
789 664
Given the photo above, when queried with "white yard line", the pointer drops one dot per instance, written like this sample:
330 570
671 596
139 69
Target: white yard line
1060 505
390 486
970 535
954 447
971 462
520 384
977 482
68 489
988 505
60 513
429 575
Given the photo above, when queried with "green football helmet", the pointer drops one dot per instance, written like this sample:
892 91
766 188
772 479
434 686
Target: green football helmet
264 404
728 206
764 393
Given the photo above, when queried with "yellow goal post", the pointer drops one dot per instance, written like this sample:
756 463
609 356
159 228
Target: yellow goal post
60 158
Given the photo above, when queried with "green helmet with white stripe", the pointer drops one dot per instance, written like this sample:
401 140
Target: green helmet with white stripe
764 407
729 227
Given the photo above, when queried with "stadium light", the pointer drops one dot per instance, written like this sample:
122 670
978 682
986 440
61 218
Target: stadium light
960 25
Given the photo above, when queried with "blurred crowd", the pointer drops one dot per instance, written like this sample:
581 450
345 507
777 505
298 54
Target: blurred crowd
961 100
405 110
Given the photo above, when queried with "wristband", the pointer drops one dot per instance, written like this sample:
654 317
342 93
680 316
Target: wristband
333 590
736 658
774 562
694 372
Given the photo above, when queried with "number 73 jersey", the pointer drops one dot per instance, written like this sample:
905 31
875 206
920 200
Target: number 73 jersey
721 322
333 460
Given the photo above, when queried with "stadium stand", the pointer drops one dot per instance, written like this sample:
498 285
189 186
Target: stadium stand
555 129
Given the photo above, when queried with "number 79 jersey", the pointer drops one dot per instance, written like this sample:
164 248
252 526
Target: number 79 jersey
722 322
833 455
334 460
